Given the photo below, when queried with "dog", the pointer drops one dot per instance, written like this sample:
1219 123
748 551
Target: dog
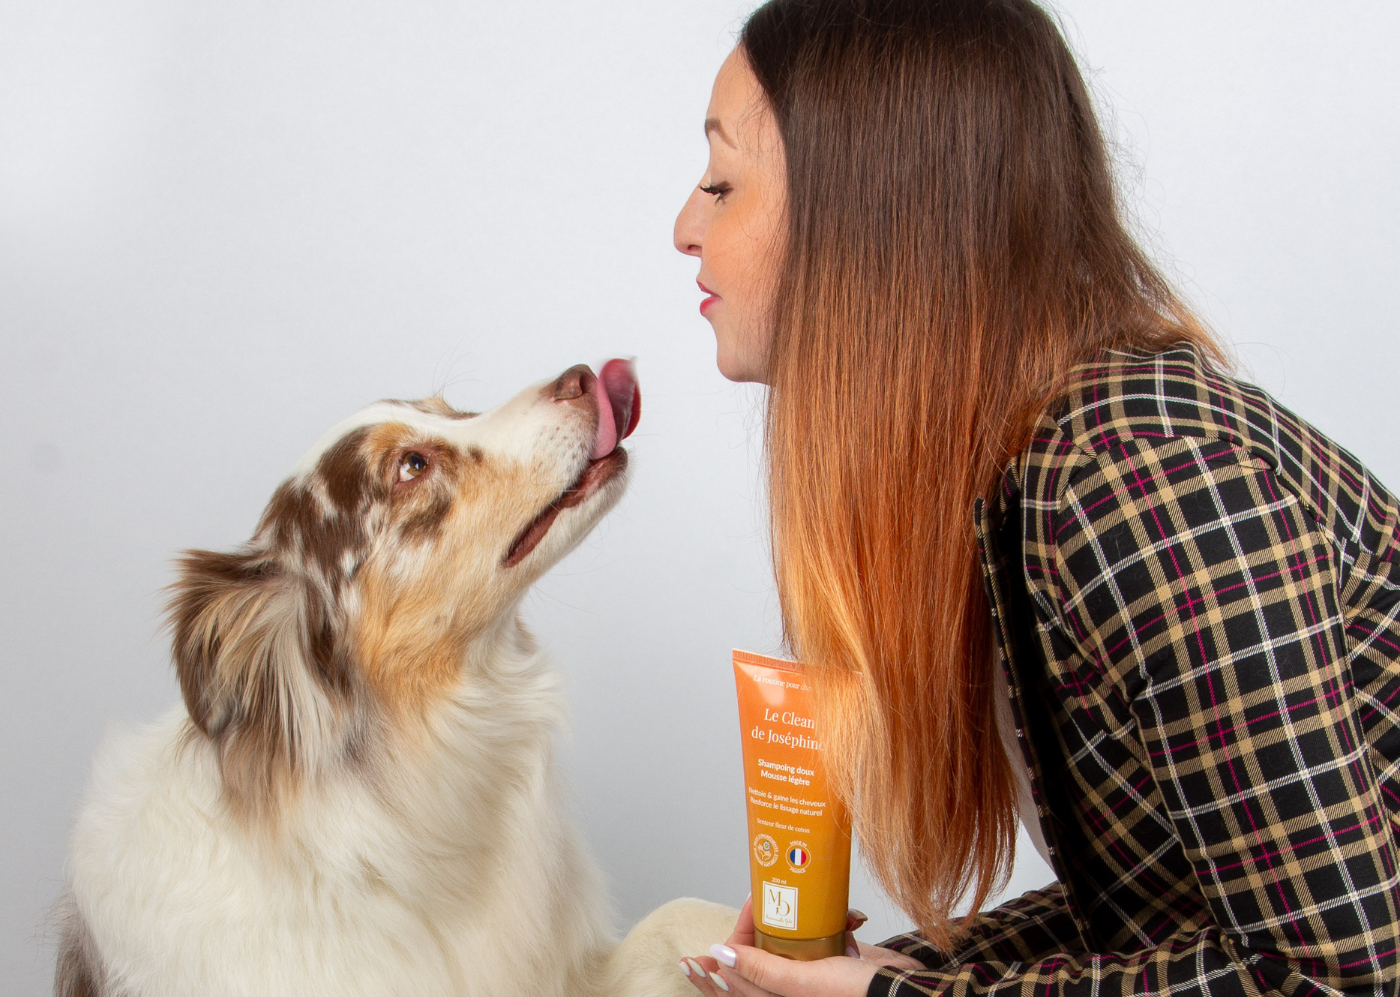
357 795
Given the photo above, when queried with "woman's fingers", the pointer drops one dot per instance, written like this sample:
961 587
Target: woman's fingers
726 982
716 983
737 969
740 987
756 973
699 975
726 975
854 919
743 927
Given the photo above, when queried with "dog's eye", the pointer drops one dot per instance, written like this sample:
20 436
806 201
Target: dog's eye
412 465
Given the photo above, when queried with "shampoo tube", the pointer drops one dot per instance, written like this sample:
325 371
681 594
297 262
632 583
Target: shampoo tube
799 836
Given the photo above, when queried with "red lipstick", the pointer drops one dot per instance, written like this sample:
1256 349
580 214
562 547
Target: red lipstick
708 302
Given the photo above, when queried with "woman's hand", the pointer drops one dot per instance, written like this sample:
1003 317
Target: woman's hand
736 967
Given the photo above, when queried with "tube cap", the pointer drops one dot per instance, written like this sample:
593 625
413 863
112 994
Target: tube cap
801 949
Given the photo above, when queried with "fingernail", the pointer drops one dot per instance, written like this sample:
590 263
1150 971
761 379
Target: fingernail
685 968
696 968
719 980
859 915
724 955
852 952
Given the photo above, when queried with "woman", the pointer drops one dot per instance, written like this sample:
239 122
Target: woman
1005 467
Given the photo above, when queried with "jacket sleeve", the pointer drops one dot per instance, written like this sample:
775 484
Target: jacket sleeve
1033 926
1207 597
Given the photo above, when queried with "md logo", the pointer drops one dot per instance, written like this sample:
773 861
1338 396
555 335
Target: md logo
780 906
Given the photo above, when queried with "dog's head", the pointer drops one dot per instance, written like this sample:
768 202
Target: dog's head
401 540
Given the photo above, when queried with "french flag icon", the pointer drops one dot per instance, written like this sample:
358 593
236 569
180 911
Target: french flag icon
798 857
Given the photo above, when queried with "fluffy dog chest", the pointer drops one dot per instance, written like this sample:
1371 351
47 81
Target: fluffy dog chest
446 882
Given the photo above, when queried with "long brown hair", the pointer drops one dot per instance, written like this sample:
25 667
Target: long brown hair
954 249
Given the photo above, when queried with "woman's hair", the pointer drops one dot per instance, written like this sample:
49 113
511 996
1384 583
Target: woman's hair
954 248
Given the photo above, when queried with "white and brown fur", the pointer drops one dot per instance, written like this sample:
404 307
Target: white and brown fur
357 796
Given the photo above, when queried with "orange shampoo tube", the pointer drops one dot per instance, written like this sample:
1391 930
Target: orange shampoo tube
799 835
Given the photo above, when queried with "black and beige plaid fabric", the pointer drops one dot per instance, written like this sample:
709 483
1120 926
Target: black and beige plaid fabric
1196 598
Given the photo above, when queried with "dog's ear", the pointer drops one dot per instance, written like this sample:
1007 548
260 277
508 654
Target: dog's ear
247 637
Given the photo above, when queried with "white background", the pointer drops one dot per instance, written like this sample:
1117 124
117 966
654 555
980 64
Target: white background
223 226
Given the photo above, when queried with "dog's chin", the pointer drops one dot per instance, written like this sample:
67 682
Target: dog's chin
572 515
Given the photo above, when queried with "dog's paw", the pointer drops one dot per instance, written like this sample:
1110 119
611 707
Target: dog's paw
647 962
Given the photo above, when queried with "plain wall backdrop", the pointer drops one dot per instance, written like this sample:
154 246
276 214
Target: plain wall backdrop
224 226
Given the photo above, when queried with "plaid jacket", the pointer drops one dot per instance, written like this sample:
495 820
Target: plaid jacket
1196 598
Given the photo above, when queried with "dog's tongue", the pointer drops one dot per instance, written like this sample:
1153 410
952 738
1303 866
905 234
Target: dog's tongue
619 405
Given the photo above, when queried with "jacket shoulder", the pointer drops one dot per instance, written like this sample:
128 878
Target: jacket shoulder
1163 396
1126 402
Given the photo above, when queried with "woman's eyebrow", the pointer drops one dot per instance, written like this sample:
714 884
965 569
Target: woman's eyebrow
713 125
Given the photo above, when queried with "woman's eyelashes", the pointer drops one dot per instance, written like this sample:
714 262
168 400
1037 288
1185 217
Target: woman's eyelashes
717 189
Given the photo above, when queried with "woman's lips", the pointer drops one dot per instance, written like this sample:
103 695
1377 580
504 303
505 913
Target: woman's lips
709 302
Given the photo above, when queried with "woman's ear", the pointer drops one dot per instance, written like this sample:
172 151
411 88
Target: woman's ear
245 632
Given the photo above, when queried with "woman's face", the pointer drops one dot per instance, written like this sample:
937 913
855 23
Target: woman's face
735 220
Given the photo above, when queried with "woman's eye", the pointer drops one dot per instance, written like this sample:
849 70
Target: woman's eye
411 465
715 189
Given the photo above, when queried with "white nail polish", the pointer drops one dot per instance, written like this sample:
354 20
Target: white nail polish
696 968
724 955
685 968
719 980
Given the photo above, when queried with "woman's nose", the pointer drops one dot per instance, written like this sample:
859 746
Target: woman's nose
689 233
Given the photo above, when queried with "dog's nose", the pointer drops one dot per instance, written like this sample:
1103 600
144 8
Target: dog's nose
575 382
